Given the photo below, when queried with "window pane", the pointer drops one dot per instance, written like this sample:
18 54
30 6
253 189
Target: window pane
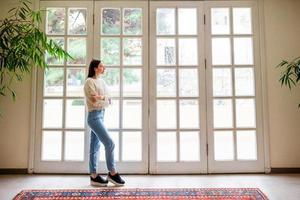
189 146
51 145
221 53
77 49
53 82
110 51
187 21
242 21
166 146
74 146
188 82
112 114
189 113
243 51
52 116
166 114
246 145
132 82
115 137
75 116
222 85
220 21
165 52
223 145
132 21
245 113
132 51
111 21
55 24
165 24
188 51
132 114
77 21
51 60
165 83
112 79
132 146
75 81
244 81
222 113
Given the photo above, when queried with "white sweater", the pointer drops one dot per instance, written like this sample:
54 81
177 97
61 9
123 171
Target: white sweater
95 87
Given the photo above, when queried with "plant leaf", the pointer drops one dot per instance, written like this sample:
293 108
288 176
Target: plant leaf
283 62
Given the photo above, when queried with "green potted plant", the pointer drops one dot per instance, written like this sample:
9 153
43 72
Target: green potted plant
23 46
290 75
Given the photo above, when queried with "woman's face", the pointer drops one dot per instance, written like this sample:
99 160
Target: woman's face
100 69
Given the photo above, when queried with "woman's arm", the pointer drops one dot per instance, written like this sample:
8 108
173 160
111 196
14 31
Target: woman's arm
96 97
90 91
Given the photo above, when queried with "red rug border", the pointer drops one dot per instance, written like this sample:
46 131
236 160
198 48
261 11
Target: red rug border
134 189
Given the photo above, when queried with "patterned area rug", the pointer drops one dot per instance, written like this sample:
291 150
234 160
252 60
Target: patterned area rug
149 193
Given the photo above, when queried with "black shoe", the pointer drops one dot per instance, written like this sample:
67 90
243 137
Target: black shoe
98 181
115 179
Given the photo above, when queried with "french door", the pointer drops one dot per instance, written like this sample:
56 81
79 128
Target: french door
234 114
184 79
121 42
61 142
177 88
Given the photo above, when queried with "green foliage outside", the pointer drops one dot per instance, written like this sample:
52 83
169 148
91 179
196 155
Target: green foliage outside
110 47
111 21
77 49
132 21
112 77
130 77
80 76
56 19
54 76
110 51
77 102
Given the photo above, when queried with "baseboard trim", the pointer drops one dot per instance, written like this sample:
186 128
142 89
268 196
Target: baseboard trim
284 170
273 171
13 171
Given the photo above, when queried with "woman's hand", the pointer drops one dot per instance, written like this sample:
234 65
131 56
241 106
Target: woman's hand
94 98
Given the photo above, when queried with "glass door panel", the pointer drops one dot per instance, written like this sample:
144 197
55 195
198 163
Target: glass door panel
177 88
61 120
187 102
120 36
234 119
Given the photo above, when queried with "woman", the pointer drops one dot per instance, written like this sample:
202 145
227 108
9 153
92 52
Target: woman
96 95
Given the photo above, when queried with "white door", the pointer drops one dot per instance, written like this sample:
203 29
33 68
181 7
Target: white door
177 88
61 142
195 108
121 42
116 33
235 135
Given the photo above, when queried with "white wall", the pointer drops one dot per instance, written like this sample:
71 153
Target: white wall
282 20
282 27
15 123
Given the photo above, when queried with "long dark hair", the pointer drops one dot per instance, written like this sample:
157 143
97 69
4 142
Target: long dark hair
93 64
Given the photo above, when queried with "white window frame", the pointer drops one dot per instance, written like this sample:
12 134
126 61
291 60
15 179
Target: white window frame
235 166
178 167
128 166
61 166
261 99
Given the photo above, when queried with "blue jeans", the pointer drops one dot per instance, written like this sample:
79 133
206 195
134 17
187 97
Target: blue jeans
100 134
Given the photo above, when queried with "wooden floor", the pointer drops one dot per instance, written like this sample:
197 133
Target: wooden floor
275 186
